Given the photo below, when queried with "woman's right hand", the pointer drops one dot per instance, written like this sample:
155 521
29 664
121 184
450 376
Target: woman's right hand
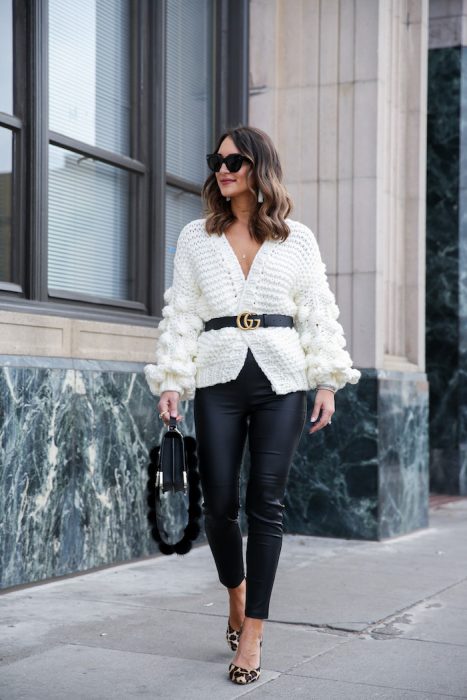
169 402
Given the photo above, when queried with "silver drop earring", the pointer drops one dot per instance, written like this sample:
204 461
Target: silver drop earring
260 196
227 199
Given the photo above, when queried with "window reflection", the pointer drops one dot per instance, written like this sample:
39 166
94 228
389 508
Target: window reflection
89 72
6 169
88 225
180 208
189 112
6 56
189 87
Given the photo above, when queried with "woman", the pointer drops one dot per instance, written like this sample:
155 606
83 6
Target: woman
250 325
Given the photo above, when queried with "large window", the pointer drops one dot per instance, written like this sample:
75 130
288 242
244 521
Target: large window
90 73
6 63
90 201
189 113
7 136
107 109
6 198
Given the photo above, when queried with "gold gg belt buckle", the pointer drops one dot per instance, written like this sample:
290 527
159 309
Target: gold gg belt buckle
245 322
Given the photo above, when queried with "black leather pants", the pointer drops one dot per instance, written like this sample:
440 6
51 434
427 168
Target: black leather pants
225 414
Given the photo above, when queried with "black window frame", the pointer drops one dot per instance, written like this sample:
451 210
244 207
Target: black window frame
29 292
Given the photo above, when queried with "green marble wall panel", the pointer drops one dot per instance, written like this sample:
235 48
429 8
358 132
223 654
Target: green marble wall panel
75 438
73 455
446 268
366 475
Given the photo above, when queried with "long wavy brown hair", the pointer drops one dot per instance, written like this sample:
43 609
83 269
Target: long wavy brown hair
268 219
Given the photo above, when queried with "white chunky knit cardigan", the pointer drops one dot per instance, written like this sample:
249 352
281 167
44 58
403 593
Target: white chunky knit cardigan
286 277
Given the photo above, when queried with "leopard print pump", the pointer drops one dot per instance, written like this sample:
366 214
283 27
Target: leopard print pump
242 676
232 636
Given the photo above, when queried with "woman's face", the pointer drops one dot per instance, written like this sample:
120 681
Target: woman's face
233 184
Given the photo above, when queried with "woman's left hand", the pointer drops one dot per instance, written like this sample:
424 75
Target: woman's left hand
324 402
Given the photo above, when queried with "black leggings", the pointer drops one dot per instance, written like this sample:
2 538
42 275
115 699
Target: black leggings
274 428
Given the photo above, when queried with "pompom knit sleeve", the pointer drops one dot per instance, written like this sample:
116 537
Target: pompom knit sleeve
180 326
321 335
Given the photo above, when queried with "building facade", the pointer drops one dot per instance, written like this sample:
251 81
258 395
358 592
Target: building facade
107 108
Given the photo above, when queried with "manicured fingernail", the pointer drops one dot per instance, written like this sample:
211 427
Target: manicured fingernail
312 420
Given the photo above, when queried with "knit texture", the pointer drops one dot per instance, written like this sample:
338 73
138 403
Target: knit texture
286 277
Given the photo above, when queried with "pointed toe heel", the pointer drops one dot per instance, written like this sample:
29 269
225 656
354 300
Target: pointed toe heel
242 676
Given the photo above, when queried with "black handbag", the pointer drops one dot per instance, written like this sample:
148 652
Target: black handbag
173 491
171 474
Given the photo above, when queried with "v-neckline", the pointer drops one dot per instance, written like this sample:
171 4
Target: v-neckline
239 267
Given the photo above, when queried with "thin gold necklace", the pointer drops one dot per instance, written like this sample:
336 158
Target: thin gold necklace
243 254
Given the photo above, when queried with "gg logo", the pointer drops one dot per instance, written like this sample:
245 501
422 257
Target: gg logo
245 322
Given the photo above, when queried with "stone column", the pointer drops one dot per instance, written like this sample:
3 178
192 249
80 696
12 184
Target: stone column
446 299
341 88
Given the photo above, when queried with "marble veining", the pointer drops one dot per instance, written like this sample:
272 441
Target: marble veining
403 455
74 452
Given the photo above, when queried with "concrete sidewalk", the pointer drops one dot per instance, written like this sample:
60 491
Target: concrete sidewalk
348 619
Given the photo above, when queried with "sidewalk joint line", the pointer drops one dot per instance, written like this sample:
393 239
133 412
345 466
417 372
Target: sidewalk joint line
374 685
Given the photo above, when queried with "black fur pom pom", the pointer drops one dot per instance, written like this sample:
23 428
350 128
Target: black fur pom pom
193 527
183 547
166 548
192 530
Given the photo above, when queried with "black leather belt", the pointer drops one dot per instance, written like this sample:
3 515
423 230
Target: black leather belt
247 321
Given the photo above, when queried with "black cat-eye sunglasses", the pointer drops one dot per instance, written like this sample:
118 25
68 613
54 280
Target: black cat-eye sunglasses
233 161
